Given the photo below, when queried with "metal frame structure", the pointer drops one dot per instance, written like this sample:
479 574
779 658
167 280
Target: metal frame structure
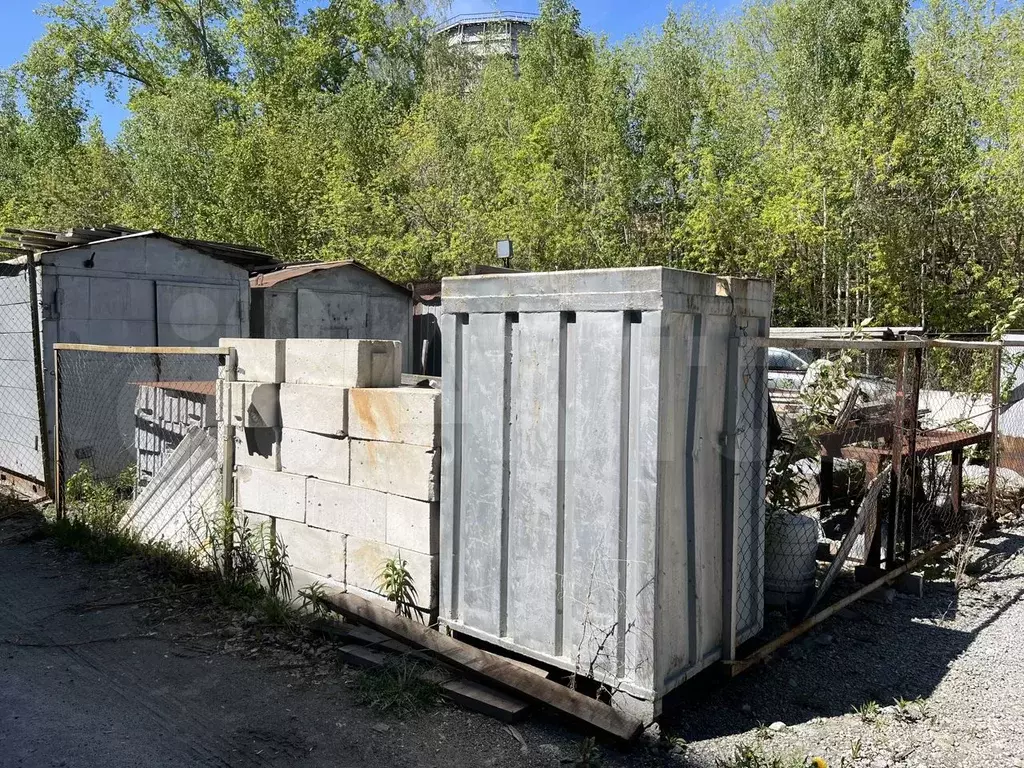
915 446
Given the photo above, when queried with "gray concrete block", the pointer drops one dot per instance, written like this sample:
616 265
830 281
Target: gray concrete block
315 455
398 468
258 447
345 509
413 524
313 550
277 494
314 408
258 359
261 405
248 404
365 559
396 415
343 362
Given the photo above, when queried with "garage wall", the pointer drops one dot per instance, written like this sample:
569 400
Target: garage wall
344 302
136 291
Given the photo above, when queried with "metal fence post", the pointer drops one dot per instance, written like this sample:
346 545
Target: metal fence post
730 498
37 361
993 457
228 470
908 509
58 481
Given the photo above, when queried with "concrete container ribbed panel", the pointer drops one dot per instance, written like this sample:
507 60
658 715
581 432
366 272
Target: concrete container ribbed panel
594 495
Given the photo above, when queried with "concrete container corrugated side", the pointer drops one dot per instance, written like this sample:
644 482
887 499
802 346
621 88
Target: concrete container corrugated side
598 511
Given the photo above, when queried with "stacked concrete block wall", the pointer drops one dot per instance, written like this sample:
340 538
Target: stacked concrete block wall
339 458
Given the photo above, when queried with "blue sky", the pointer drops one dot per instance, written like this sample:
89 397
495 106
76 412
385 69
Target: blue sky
20 25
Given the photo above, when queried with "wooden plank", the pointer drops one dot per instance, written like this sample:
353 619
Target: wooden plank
813 343
486 701
374 639
489 666
954 344
15 250
769 648
867 507
142 350
528 667
361 656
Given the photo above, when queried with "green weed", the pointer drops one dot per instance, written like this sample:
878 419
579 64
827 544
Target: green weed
398 687
396 584
868 711
754 756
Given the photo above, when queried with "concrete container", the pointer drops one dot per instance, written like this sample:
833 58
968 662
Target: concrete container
331 300
603 449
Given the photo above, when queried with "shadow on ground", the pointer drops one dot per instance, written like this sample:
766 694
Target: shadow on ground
20 520
872 651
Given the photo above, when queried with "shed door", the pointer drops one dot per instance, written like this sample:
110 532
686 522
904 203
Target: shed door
196 315
331 315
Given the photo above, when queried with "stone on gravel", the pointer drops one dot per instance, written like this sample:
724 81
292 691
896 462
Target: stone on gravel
777 726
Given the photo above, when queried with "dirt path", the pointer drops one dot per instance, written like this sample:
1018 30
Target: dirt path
94 672
143 684
110 687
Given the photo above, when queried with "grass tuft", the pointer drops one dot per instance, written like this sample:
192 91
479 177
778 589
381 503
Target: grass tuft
398 687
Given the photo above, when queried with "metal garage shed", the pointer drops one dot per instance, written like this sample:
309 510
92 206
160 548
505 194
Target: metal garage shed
331 300
106 286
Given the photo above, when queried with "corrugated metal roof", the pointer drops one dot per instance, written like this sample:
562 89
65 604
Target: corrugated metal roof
269 278
39 241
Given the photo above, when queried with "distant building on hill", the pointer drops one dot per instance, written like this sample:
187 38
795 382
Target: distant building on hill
487 34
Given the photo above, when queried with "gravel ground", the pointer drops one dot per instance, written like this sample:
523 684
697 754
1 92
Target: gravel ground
956 659
98 669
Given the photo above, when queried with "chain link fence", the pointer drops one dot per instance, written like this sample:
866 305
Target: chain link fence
24 457
752 443
1009 490
139 425
878 451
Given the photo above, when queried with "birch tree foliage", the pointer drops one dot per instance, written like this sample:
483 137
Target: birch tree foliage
866 155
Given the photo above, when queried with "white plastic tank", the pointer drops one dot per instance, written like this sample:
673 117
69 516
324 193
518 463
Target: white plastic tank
790 565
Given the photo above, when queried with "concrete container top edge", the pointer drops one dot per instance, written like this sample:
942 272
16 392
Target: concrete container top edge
630 288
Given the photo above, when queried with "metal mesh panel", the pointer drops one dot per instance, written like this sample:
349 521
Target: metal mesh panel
752 446
1009 495
22 443
879 452
945 493
143 424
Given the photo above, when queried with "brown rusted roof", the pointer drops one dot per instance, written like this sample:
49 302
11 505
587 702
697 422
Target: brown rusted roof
195 387
275 276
